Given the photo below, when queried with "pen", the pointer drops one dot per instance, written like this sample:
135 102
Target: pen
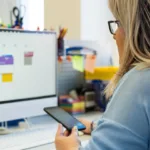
64 33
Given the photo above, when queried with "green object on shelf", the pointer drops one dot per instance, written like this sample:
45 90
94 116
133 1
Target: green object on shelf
78 63
9 25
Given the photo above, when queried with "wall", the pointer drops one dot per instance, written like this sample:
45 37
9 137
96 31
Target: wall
94 17
5 8
65 13
34 16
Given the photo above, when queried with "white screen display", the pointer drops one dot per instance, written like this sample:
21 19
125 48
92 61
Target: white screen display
27 65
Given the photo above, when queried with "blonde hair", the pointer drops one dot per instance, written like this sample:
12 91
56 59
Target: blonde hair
134 16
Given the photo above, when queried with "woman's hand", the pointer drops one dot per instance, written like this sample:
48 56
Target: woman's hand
87 124
65 141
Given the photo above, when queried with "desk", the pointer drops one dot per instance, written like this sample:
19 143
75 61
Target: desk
89 116
52 146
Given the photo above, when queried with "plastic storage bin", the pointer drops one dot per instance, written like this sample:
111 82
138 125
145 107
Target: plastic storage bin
101 73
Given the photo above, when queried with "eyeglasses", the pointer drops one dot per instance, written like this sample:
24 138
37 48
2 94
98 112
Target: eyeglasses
113 26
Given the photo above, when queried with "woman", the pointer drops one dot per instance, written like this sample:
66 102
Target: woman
126 123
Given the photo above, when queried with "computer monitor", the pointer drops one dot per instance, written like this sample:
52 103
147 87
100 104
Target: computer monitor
27 73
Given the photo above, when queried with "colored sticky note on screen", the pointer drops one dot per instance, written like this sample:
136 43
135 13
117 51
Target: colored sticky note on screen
7 77
90 63
27 61
6 60
28 54
78 63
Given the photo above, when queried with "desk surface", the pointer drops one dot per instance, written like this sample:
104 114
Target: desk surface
52 146
88 116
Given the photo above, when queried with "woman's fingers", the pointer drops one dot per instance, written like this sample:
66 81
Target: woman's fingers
66 133
74 131
59 130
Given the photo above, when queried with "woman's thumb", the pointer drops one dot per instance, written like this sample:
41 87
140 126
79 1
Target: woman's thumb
75 131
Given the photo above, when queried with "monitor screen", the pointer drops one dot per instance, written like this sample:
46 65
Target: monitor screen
27 66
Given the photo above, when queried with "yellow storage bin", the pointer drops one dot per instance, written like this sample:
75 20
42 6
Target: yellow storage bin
101 73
